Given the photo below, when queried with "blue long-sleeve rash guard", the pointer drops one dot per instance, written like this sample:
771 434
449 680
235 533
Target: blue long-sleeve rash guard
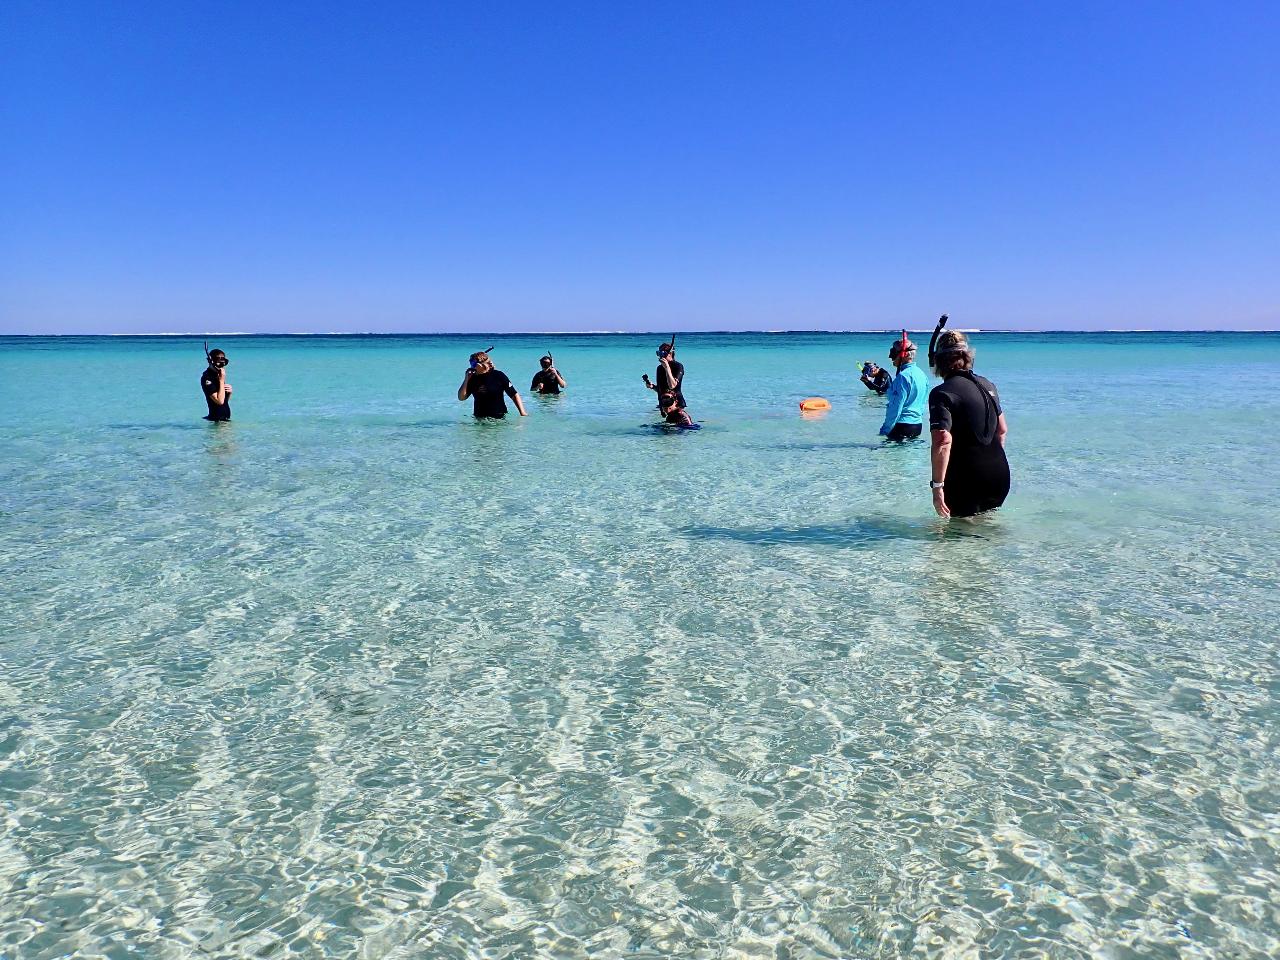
906 398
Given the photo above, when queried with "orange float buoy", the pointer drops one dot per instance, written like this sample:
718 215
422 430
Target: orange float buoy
815 403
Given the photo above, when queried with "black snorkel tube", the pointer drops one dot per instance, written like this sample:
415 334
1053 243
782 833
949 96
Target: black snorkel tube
933 341
207 359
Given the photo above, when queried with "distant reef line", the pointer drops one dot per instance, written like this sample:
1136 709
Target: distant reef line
635 333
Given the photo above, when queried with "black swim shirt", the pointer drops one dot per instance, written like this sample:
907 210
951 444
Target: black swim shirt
209 386
664 384
486 391
548 381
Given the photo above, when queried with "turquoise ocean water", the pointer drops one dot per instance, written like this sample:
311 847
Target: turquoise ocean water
355 676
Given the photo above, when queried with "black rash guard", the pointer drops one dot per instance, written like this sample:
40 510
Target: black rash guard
968 407
547 380
486 390
209 386
664 384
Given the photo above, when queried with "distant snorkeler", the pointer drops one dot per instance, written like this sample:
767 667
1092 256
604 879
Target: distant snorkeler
670 374
673 413
876 378
486 384
904 410
548 380
966 422
214 386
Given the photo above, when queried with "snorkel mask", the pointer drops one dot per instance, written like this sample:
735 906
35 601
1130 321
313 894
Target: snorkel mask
215 358
901 351
483 353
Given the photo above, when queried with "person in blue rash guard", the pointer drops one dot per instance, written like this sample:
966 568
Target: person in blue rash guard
907 396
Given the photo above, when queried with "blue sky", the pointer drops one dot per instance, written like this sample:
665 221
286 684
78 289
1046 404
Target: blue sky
553 166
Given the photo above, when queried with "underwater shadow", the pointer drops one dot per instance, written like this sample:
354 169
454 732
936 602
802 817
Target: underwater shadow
199 424
858 533
836 445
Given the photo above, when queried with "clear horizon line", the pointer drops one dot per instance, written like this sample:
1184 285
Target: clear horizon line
618 333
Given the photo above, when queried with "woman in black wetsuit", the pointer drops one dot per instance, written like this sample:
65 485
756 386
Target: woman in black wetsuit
970 470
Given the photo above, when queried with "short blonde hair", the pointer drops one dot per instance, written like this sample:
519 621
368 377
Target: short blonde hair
952 354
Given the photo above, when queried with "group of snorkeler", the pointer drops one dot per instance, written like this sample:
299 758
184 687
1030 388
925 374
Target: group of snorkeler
970 473
487 386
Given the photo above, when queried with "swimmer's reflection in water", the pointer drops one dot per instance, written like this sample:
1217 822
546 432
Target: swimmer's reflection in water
214 386
222 447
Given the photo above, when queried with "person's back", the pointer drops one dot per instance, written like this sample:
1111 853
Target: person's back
970 469
964 402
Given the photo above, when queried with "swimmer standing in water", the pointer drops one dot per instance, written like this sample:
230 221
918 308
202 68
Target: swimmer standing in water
485 384
214 386
904 411
548 380
673 413
966 422
670 374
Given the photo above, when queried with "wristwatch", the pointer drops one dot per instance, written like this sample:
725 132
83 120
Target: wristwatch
935 485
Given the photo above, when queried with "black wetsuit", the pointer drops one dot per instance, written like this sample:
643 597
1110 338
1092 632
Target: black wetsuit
209 386
968 407
546 380
880 383
664 384
486 390
904 431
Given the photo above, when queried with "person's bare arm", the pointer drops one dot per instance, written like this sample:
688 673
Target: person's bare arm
1002 429
647 382
939 458
464 391
220 394
515 398
559 379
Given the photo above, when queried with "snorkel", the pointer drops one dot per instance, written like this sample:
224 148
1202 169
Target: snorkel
933 341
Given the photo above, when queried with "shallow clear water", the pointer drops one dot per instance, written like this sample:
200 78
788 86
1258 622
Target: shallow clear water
357 676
